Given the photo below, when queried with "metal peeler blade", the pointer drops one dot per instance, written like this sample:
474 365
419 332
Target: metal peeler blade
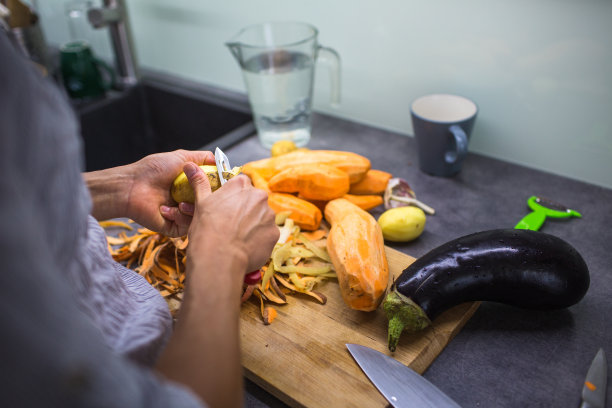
222 165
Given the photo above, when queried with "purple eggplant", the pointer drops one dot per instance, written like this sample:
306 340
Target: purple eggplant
523 268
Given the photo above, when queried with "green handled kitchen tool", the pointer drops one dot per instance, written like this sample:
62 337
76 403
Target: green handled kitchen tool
542 208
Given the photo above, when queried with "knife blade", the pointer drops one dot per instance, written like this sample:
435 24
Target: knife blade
399 384
223 165
594 389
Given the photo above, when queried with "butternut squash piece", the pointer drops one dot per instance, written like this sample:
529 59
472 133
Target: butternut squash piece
311 181
306 215
365 202
374 182
353 164
319 203
259 181
356 247
258 167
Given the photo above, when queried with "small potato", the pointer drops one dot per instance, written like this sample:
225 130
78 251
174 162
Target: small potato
402 224
281 147
181 190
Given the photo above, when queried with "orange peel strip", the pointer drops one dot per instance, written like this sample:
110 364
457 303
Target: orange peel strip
115 223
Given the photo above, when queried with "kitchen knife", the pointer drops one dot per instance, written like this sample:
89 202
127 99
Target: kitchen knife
594 389
399 384
223 166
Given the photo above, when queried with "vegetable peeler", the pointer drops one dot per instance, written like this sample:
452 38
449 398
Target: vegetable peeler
223 167
542 208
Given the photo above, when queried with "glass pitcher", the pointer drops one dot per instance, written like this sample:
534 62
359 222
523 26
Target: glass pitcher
277 61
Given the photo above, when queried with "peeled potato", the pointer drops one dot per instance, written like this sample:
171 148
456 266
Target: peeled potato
402 224
181 190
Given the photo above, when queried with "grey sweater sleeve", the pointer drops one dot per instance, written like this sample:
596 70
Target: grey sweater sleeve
62 345
52 355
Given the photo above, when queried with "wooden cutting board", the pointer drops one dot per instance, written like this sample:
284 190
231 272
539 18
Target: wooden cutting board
301 358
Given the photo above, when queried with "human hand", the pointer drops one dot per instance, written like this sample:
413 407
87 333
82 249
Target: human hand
236 219
149 201
232 233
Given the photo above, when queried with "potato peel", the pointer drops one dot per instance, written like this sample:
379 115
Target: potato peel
297 264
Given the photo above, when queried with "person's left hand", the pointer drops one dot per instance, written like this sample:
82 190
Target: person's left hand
150 203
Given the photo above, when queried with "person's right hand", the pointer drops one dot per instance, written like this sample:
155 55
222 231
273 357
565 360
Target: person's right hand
236 217
232 232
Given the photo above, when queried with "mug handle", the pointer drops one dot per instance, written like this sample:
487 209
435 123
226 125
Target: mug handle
330 57
103 66
461 145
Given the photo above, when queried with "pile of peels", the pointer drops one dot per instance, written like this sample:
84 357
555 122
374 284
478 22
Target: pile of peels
297 264
299 261
159 259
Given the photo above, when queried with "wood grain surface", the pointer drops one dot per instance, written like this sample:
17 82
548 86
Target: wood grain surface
301 358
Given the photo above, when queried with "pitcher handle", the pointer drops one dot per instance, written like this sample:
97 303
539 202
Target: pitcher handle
330 57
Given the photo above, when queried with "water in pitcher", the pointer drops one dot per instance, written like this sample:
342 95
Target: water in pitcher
280 92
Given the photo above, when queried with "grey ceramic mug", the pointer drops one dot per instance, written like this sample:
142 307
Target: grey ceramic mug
442 125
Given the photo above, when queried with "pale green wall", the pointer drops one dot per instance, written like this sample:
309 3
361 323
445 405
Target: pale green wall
540 70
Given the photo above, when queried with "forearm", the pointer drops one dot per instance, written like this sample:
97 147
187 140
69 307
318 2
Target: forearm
110 191
204 351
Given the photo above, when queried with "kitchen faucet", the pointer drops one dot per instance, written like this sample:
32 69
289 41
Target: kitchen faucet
113 14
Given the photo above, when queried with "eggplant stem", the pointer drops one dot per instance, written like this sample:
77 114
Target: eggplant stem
403 314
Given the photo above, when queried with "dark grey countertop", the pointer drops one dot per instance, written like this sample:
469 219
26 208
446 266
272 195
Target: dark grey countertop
504 356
